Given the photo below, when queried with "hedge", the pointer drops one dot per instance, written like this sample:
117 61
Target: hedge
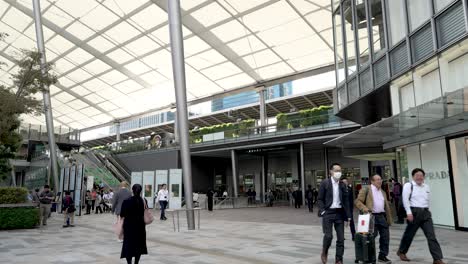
18 217
303 118
230 130
13 195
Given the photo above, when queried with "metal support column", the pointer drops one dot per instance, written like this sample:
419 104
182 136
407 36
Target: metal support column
178 71
302 172
263 175
465 11
13 176
263 115
46 94
234 172
117 131
325 156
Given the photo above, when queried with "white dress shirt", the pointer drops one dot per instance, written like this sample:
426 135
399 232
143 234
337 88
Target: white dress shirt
336 194
379 200
420 197
163 195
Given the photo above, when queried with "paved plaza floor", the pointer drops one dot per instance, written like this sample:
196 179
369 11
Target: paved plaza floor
254 235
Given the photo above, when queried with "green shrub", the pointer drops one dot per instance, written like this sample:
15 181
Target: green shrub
19 217
13 195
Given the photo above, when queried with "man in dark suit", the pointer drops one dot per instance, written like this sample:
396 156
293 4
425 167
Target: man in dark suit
334 210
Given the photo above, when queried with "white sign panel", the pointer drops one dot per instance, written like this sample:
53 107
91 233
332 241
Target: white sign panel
161 178
148 187
89 183
175 188
137 177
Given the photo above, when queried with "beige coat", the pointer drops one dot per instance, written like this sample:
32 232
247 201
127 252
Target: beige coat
359 202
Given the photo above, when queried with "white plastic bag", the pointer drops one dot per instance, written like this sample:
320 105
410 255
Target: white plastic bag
363 223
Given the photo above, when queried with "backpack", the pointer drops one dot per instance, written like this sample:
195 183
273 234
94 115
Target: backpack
310 195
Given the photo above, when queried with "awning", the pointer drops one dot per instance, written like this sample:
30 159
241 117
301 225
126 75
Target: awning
444 115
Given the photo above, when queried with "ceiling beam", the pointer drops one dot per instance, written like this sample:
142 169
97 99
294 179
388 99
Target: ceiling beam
216 119
255 109
245 115
309 101
291 104
274 108
204 122
328 96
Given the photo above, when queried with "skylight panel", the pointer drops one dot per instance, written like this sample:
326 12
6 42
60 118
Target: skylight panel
320 20
153 77
128 86
95 85
66 82
94 98
64 97
273 71
23 42
137 67
16 19
314 60
212 56
124 7
300 47
90 111
109 93
31 33
64 109
64 119
149 17
54 89
59 44
99 18
187 5
120 56
241 6
142 46
77 125
262 58
119 113
221 71
122 32
161 61
80 90
246 45
102 118
79 56
107 106
113 77
101 44
80 31
210 14
194 45
77 104
230 30
79 75
57 16
63 65
271 16
235 81
162 34
288 32
97 66
304 6
77 8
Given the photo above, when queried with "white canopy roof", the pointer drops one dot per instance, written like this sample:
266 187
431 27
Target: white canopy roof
113 56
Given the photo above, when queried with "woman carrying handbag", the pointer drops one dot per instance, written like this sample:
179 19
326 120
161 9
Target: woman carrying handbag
134 218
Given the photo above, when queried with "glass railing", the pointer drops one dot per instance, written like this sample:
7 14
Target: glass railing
39 133
287 124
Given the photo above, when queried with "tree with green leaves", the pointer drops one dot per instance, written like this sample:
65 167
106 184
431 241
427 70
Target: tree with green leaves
19 99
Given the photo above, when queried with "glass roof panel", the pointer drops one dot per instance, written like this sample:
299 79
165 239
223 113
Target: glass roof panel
138 67
109 93
31 33
142 46
149 17
235 81
161 61
285 33
128 86
187 5
64 97
123 7
59 44
320 19
80 31
274 70
101 44
90 111
108 106
97 66
16 19
210 14
66 82
246 45
79 75
113 77
153 77
270 16
80 90
94 98
120 56
305 6
95 85
230 30
79 56
262 58
122 32
221 71
194 45
58 17
102 118
23 42
99 18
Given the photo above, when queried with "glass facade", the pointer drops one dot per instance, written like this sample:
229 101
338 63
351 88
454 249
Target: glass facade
339 49
377 23
459 156
363 35
397 29
440 4
349 34
419 11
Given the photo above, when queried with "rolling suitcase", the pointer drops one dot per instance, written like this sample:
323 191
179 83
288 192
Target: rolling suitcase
364 244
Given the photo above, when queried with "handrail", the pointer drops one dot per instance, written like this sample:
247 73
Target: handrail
176 211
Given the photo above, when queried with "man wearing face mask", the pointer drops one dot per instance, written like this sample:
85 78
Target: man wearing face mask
335 211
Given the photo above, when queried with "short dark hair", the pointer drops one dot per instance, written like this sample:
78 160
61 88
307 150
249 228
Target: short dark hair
334 164
67 192
372 177
46 186
416 170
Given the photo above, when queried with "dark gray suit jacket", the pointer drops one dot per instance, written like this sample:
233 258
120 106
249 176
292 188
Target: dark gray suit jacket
118 199
325 197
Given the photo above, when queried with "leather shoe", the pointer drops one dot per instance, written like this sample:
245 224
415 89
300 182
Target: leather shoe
338 262
324 258
402 256
439 262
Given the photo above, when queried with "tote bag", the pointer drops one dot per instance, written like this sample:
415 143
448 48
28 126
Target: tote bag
149 218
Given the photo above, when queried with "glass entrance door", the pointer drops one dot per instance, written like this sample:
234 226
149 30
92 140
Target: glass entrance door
459 157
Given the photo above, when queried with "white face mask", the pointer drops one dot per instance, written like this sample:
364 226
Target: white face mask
337 175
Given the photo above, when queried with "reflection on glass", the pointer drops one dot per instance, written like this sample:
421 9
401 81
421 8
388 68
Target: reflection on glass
378 32
362 32
339 53
175 190
459 156
148 190
396 20
349 32
336 4
419 12
342 100
440 4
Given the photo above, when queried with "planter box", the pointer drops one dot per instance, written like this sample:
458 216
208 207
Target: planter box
213 136
18 216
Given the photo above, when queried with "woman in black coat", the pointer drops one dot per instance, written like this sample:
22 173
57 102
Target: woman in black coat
133 210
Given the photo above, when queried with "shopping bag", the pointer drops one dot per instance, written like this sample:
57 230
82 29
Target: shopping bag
363 223
148 216
118 228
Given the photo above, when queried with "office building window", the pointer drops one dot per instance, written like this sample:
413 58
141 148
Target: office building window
428 87
407 97
378 31
339 50
349 28
363 34
396 20
419 12
440 4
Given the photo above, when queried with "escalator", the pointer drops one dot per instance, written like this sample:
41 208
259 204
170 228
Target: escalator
95 169
103 160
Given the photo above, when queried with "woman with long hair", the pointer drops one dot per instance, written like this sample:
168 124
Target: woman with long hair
132 213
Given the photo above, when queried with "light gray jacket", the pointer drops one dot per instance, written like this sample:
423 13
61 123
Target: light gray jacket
118 199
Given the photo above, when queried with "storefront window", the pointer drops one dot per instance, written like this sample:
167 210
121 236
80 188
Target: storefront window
459 155
339 50
362 32
440 4
396 20
419 12
378 32
349 32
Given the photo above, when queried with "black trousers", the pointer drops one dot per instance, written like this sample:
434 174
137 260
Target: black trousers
422 219
381 229
88 207
297 203
334 219
310 204
210 203
98 209
352 227
163 205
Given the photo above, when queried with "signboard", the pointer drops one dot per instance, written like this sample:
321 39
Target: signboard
175 188
148 187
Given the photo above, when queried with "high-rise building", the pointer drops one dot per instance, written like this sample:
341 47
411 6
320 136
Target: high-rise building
401 69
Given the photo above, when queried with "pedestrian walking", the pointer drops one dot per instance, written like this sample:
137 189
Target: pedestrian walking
352 227
68 207
374 200
416 197
132 212
297 195
88 202
334 211
310 198
163 199
122 195
399 208
210 195
45 198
